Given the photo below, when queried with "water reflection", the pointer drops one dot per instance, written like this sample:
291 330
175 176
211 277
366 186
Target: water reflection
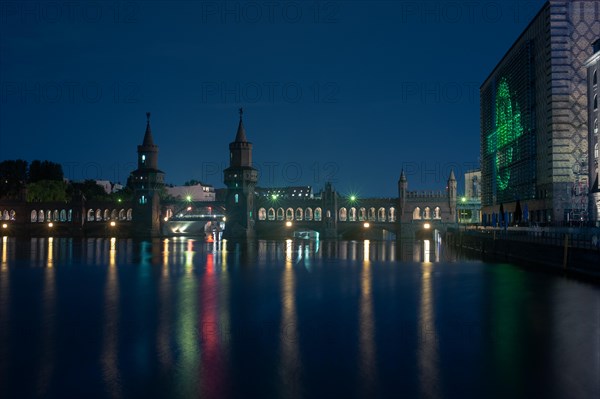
178 315
368 363
290 362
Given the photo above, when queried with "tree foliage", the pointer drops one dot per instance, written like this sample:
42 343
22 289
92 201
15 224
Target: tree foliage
13 177
45 170
47 190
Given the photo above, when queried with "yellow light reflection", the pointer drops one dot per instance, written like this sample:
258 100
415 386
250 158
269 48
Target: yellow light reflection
189 255
427 355
50 257
4 253
110 344
366 327
426 251
288 331
165 257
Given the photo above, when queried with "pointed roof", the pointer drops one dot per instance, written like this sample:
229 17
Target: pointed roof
148 140
240 137
402 175
452 175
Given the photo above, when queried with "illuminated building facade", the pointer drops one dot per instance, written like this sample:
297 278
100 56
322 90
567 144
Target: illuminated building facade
593 69
534 119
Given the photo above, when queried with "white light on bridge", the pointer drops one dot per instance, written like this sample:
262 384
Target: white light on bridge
288 224
50 224
427 225
4 225
366 225
112 224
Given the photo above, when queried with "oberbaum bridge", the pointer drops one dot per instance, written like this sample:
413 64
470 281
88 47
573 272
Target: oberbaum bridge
242 215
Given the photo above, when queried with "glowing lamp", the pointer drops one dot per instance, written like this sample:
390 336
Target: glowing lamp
366 225
188 198
4 225
353 198
50 224
112 224
427 225
288 223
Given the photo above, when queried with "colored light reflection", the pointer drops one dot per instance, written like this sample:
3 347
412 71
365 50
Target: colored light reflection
368 365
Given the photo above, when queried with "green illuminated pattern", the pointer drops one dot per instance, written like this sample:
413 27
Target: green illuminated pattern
502 141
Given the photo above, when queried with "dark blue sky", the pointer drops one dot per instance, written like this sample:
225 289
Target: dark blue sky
346 91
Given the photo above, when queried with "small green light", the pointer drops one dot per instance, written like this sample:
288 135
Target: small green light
274 196
119 200
353 198
463 199
188 198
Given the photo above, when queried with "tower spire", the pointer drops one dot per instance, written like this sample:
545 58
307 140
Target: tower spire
148 140
240 137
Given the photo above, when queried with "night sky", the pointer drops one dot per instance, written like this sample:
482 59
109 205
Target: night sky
344 91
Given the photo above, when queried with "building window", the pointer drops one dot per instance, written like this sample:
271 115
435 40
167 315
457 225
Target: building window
595 102
595 125
596 151
595 78
237 198
143 199
143 160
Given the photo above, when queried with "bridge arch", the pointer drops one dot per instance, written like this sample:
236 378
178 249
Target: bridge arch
392 214
41 216
371 215
90 215
33 216
122 214
299 214
352 215
5 215
343 214
113 214
106 214
417 213
63 215
13 214
437 213
129 214
308 214
427 213
318 214
362 214
262 214
381 214
271 214
289 214
280 214
98 215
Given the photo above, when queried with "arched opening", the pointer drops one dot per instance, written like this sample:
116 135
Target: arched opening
55 215
427 213
98 215
106 214
328 214
342 214
392 214
63 215
352 215
289 214
596 151
90 215
70 215
262 214
280 213
299 214
417 214
595 125
5 215
595 102
362 214
129 214
371 215
308 214
41 216
122 214
271 214
381 215
318 214
437 214
33 216
113 214
13 214
48 215
595 78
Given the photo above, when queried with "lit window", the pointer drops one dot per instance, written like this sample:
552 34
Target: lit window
143 159
237 198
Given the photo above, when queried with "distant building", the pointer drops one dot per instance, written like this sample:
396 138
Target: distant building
593 67
197 192
469 205
109 187
286 192
534 118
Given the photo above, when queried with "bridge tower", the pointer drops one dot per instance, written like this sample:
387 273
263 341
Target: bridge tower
402 192
240 178
329 205
452 196
147 181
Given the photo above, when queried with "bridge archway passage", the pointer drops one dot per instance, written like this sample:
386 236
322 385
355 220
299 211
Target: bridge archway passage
49 215
55 215
13 214
352 215
381 214
106 214
417 214
280 214
392 214
427 213
437 213
308 214
362 214
129 214
299 214
122 214
343 214
41 216
90 215
113 214
5 215
63 215
99 215
70 215
262 214
318 215
371 215
34 216
271 214
289 214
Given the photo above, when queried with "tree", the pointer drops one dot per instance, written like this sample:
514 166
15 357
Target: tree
47 190
13 177
45 170
90 189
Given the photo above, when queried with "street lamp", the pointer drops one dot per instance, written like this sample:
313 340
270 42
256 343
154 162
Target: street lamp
366 225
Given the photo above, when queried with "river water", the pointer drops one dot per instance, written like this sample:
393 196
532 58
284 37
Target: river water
186 318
